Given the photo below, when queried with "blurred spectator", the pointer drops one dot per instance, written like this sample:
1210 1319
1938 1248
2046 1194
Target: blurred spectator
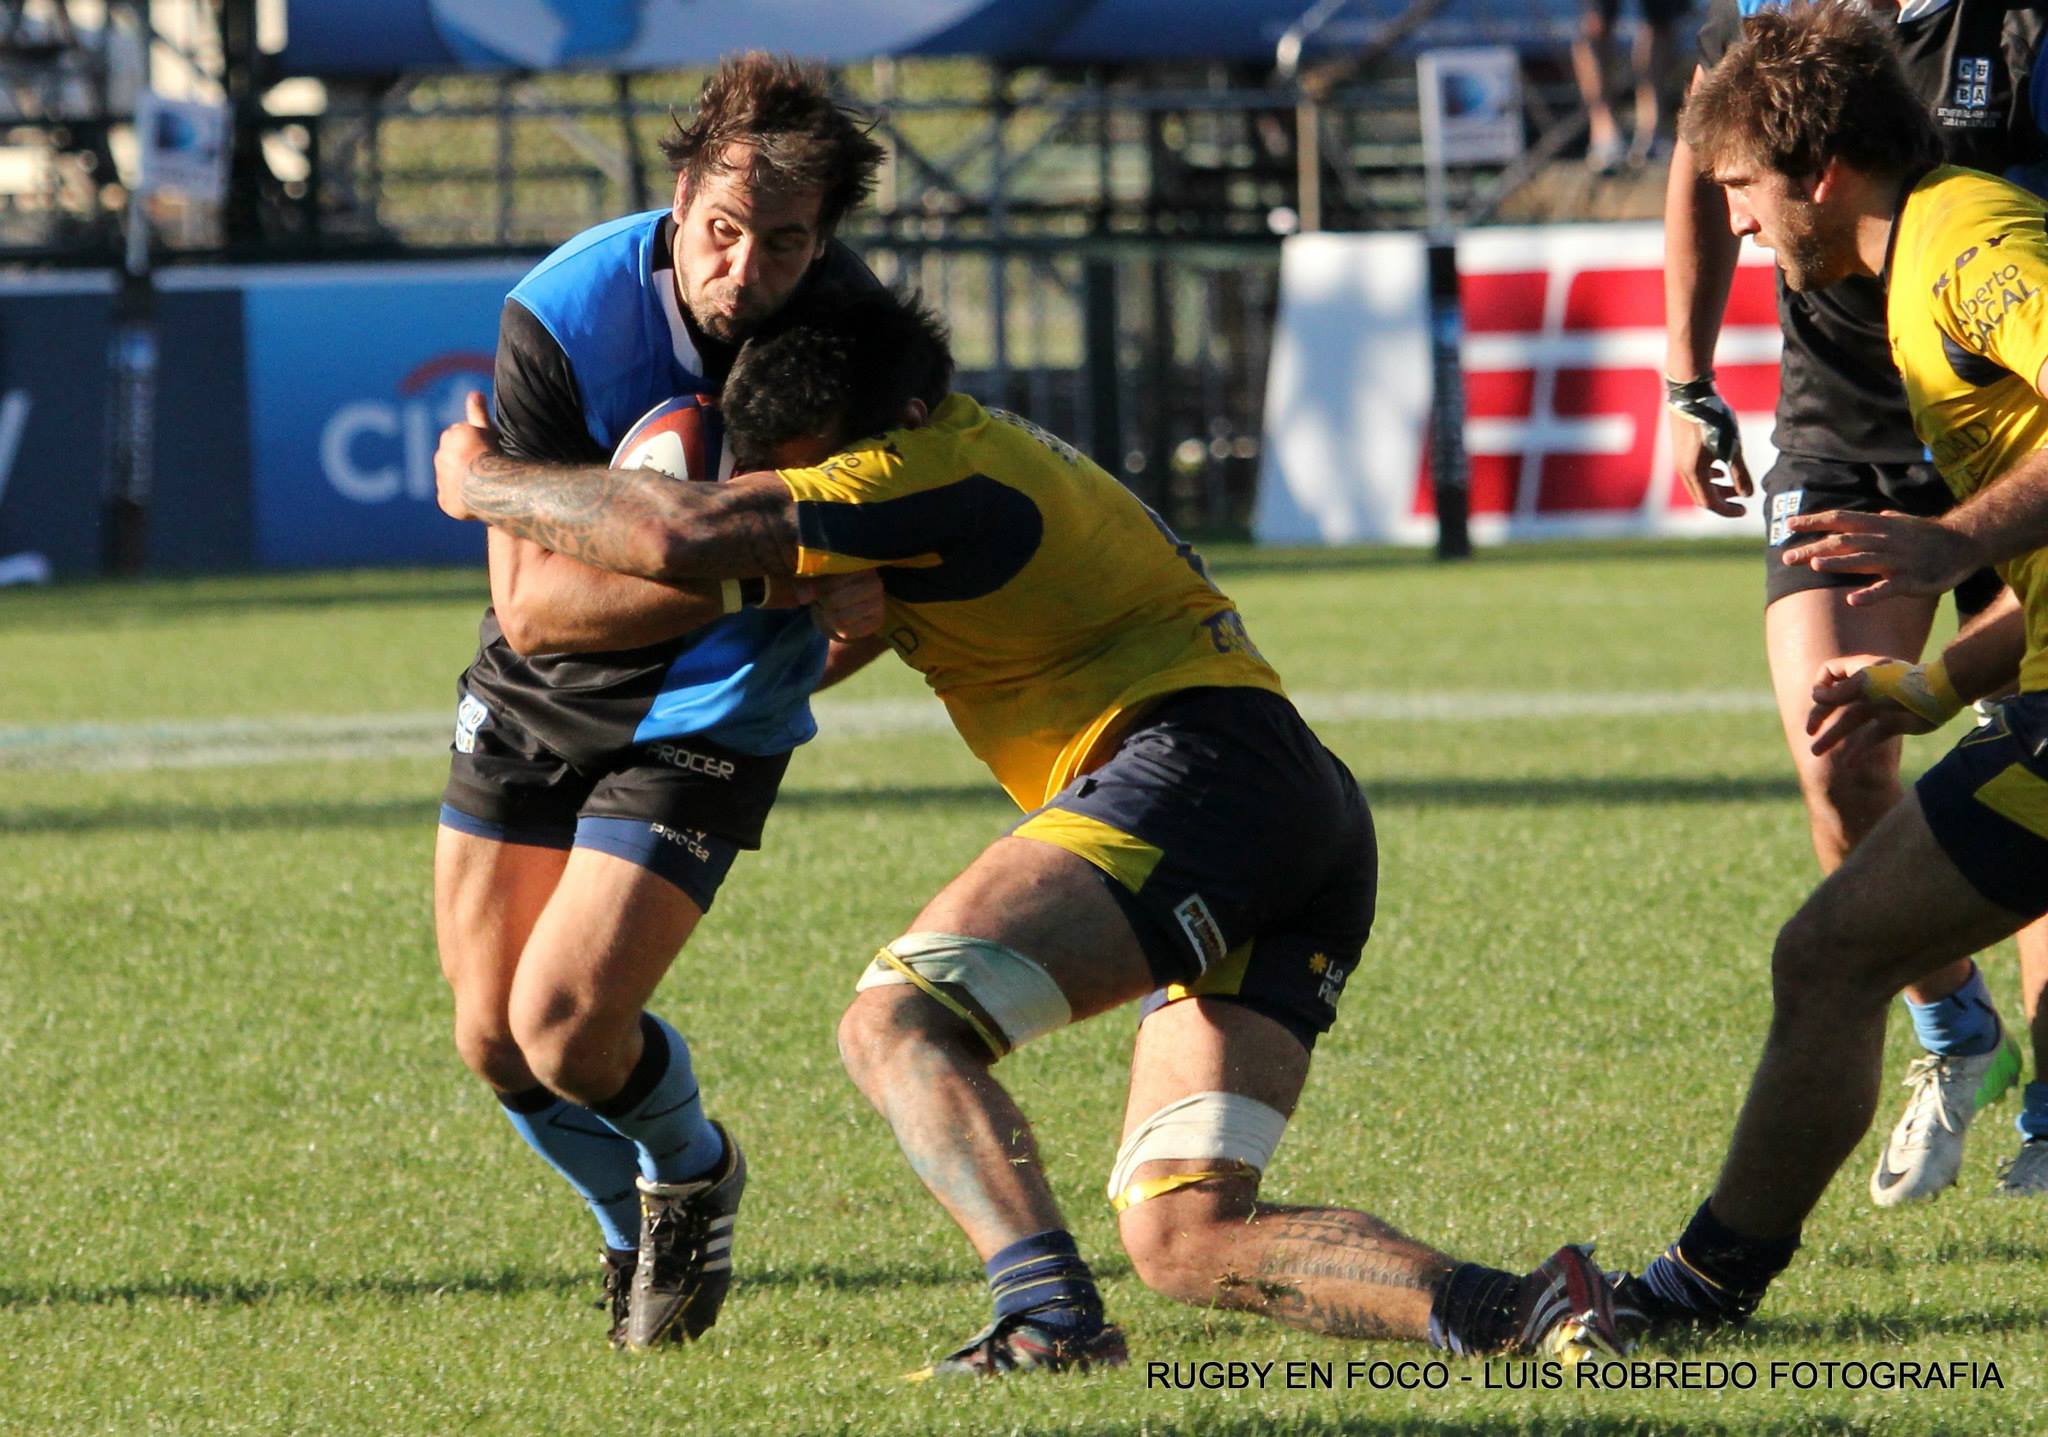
1592 56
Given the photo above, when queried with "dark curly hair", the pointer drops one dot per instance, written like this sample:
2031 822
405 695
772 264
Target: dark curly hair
1806 84
799 137
845 372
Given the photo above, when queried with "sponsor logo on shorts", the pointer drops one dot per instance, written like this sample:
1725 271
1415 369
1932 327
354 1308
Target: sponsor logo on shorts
1783 507
1203 931
691 839
690 761
470 716
1333 976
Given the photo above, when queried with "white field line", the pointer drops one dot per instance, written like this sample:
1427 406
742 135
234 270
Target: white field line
233 742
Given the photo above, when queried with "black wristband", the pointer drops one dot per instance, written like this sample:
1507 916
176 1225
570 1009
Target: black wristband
1679 391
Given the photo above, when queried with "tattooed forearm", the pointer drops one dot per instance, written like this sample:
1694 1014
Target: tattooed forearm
637 521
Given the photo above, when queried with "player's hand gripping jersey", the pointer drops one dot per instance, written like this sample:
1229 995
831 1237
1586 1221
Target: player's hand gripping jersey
1967 309
1040 599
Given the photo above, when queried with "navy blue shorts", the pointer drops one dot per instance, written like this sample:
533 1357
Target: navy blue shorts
691 859
1239 847
683 809
1987 803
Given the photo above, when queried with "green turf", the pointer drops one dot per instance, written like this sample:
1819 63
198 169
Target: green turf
249 1188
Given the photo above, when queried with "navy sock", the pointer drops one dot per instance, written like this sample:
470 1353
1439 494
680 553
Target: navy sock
1962 1025
1714 1272
661 1110
1045 1276
2033 1116
578 1144
1473 1310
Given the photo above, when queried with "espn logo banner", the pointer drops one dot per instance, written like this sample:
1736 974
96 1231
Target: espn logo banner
1563 357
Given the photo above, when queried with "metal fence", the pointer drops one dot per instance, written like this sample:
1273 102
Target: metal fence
1149 356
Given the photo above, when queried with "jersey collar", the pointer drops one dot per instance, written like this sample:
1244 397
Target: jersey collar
1891 241
682 340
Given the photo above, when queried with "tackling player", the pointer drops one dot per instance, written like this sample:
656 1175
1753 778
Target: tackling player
1808 126
1845 440
619 742
1185 836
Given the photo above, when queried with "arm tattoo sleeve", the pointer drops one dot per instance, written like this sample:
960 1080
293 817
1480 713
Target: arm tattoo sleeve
636 521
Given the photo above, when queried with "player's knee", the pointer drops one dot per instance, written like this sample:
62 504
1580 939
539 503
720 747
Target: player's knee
884 1027
488 1050
574 1048
1184 1245
1184 1186
973 996
1812 968
1849 794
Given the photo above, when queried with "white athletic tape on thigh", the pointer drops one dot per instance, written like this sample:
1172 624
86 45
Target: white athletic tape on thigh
1230 1126
1019 997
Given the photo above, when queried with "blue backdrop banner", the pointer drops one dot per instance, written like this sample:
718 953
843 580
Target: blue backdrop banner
353 372
358 37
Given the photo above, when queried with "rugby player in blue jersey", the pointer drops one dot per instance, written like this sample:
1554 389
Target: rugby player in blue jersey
1185 837
618 742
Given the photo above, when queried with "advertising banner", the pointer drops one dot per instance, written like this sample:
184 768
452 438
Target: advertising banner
383 37
1563 356
353 373
1471 106
53 421
357 37
182 145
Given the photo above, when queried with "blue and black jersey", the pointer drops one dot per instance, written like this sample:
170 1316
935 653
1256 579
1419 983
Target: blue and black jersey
588 342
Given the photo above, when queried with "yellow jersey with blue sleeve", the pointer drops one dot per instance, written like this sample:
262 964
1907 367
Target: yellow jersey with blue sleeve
1967 308
1039 598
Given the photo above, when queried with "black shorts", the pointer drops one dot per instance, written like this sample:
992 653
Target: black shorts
1804 484
1239 847
679 807
1654 12
1987 803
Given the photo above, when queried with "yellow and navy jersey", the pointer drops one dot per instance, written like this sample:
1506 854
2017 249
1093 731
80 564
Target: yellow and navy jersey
1967 310
1040 599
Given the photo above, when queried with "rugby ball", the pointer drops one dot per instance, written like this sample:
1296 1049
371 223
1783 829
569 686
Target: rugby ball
681 437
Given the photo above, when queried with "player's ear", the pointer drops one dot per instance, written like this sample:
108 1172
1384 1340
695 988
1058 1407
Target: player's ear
680 204
915 414
1826 183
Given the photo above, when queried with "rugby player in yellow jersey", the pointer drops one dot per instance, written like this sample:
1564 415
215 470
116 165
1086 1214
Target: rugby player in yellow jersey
1809 126
1186 841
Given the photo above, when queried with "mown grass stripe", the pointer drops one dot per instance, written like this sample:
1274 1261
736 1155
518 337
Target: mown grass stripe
306 738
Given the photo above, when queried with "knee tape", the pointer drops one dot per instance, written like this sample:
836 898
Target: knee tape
1019 997
1227 1126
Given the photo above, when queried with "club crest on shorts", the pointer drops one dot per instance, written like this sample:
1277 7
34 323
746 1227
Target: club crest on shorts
470 715
1203 931
1783 507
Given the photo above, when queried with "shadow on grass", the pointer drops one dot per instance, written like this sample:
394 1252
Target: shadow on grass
1538 791
1904 1325
300 815
1164 1424
303 814
99 604
233 1292
2017 1249
1230 559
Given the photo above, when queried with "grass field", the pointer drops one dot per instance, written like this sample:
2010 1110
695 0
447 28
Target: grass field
248 1187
